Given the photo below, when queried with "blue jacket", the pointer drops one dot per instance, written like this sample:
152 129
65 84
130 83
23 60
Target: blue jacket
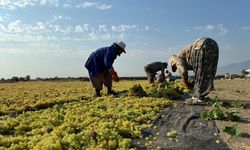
101 60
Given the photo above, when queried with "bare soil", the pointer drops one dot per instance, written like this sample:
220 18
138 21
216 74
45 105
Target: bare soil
235 90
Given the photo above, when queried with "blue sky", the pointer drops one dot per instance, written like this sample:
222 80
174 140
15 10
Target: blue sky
48 38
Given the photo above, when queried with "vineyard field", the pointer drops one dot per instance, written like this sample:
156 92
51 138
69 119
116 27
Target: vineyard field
45 115
64 115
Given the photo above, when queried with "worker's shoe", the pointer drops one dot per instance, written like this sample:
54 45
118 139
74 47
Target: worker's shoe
97 93
194 101
197 100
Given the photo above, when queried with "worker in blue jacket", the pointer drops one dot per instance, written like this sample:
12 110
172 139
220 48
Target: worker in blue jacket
100 67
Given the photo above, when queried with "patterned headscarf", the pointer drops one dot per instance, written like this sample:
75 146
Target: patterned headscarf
173 60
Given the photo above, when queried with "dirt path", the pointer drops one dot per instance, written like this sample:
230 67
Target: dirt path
235 91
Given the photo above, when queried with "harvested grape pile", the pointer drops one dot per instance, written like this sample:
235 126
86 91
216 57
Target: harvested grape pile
169 90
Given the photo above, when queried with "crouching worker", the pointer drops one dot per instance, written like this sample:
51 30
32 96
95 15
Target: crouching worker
152 69
100 67
201 57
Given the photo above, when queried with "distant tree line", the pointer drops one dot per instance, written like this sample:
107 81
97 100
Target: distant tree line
16 79
62 79
27 78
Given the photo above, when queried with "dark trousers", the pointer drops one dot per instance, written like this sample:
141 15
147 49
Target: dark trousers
102 78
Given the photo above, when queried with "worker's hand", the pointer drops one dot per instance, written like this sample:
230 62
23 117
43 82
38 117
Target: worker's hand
185 82
115 76
188 84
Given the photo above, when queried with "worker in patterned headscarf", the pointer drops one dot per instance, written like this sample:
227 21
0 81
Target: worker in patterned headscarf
201 57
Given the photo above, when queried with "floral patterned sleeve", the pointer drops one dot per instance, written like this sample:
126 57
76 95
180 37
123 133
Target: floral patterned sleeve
181 67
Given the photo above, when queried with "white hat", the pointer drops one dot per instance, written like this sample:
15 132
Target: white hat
122 45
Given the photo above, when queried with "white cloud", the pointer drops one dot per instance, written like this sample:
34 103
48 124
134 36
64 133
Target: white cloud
20 31
216 29
123 28
79 28
206 28
56 18
15 26
102 28
67 6
1 19
61 17
83 28
14 4
50 2
223 30
2 28
209 27
66 30
245 28
87 4
86 27
104 6
39 27
106 36
94 5
19 27
146 28
94 35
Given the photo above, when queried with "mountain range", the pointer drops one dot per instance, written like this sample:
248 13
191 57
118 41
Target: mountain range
235 68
